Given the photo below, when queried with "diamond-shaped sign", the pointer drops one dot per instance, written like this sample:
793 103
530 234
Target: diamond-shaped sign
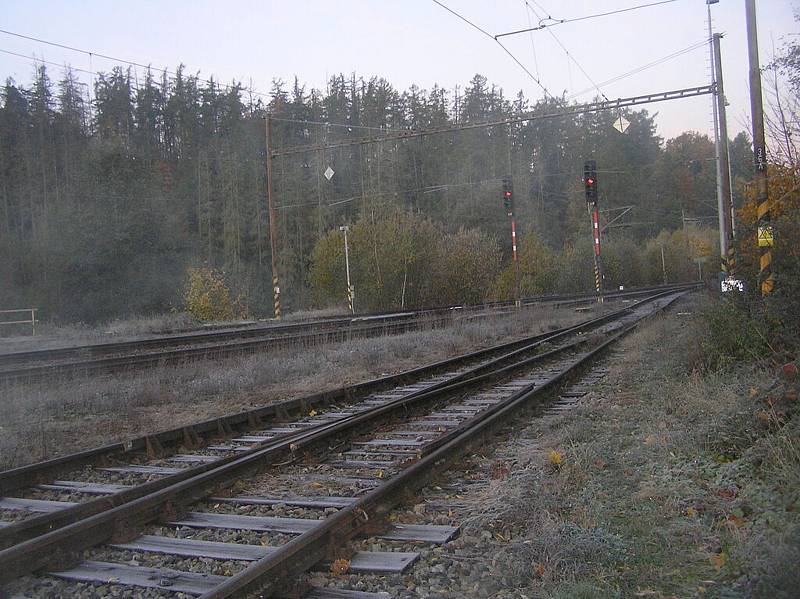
329 172
621 124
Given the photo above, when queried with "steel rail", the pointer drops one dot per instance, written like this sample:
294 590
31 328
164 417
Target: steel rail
16 477
121 521
34 526
30 474
95 351
270 574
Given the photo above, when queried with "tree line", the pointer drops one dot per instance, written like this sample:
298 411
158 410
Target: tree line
106 200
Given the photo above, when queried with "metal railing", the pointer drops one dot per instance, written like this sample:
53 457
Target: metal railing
32 321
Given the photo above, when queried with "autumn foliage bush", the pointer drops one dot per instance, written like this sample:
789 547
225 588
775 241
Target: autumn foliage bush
402 260
207 296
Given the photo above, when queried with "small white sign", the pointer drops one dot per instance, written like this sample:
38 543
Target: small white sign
621 124
329 172
731 284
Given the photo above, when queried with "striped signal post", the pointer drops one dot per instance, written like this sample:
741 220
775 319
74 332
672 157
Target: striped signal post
590 186
273 234
508 203
598 265
765 235
350 290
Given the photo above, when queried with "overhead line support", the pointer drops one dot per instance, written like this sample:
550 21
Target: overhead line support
688 92
764 236
273 230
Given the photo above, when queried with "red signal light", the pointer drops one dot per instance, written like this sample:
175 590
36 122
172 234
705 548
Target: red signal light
589 181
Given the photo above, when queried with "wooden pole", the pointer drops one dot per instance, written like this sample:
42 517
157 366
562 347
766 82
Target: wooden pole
273 234
765 238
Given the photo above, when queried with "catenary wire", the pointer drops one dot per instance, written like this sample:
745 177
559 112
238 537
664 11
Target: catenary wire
563 47
491 37
554 22
115 59
637 70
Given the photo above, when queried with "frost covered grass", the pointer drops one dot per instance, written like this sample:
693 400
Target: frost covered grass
670 482
49 335
37 422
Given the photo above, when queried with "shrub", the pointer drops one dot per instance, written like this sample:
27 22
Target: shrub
207 296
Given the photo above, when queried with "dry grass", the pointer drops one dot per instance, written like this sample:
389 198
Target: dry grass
40 422
671 485
49 336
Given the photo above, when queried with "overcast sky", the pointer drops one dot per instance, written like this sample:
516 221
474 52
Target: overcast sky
412 42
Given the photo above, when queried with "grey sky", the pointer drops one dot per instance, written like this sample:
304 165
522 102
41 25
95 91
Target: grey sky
410 42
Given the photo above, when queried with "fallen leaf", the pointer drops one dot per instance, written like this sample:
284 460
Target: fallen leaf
340 566
690 511
538 570
719 559
555 458
733 521
312 413
727 492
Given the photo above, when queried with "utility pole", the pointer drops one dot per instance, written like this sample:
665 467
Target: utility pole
350 290
726 206
715 107
273 235
663 265
590 185
765 236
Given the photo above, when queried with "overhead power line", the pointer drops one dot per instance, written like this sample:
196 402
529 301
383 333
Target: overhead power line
491 37
579 109
637 70
563 47
543 24
92 54
50 62
327 124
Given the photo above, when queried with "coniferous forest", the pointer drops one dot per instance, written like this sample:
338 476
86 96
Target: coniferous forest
107 198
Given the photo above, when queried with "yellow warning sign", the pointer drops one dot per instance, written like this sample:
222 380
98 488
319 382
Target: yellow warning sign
765 236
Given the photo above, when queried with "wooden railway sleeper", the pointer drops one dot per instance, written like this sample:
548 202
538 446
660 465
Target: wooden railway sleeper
191 440
224 430
153 447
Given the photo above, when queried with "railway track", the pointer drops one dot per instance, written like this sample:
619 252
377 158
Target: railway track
263 508
60 363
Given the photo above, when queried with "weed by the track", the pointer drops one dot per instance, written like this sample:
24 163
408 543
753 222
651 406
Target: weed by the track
672 483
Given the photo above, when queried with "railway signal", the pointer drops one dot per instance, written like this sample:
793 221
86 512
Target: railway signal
508 194
590 186
590 181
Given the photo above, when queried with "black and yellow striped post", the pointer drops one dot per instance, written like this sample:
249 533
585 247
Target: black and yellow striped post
731 260
276 297
764 233
765 242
